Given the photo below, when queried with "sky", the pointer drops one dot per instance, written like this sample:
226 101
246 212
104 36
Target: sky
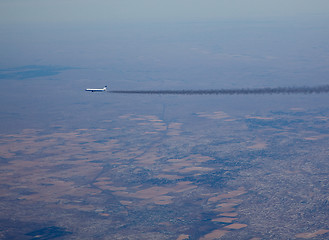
100 11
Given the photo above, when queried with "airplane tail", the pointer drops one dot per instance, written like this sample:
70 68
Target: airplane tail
105 88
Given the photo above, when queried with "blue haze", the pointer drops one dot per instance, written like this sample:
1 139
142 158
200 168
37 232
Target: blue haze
50 51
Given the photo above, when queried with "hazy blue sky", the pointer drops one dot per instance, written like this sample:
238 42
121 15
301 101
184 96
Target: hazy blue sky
81 11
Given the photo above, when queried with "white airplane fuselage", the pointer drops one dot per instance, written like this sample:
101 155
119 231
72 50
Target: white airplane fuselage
96 89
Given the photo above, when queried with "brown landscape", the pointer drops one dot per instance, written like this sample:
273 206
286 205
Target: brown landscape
213 193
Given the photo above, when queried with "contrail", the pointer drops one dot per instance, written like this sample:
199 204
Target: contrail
232 91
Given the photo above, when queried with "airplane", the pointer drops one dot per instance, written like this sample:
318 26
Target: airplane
96 89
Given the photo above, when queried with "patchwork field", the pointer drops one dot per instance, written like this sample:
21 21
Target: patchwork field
223 188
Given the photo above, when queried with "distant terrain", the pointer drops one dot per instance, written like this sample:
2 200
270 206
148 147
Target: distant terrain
246 178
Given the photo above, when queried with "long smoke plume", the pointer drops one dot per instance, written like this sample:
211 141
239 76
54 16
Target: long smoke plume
238 91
